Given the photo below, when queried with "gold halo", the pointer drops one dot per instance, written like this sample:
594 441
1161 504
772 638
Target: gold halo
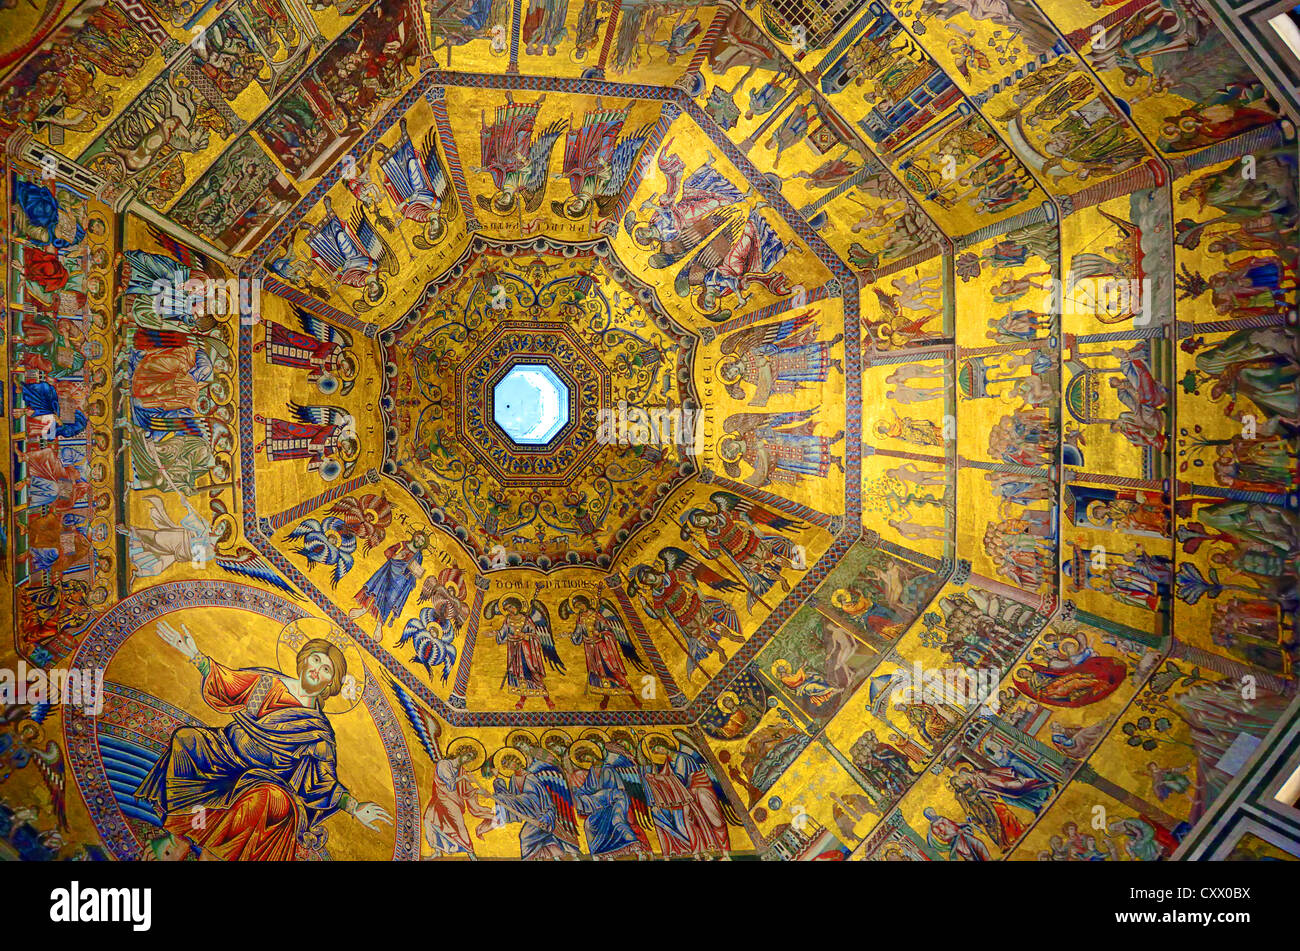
501 754
456 746
514 736
645 746
631 735
595 734
585 749
722 454
552 734
296 633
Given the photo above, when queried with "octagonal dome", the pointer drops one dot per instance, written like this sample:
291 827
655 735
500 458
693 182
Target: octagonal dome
851 404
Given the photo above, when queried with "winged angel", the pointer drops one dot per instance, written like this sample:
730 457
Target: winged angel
516 160
702 219
530 647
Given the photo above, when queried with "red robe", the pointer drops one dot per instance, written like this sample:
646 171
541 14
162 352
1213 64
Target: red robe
261 822
44 269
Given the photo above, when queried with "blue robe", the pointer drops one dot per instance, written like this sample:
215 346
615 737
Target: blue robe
42 210
290 747
43 400
163 280
605 804
540 795
386 592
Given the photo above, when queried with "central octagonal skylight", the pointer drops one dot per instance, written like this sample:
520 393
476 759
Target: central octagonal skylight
531 404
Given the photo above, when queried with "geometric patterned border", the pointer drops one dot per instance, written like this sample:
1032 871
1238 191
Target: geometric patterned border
850 530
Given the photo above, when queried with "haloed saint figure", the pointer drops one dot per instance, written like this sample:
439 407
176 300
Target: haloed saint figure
255 788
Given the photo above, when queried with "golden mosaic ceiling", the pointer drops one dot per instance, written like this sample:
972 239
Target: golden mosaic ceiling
901 347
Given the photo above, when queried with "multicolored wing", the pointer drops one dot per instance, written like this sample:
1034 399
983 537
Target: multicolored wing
561 799
319 415
49 763
541 619
322 330
439 180
728 809
629 775
730 502
539 159
676 559
796 423
184 254
424 723
373 243
716 582
772 334
722 613
249 564
621 634
625 155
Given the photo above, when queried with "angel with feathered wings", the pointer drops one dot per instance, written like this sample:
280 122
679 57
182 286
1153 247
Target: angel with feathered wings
324 435
669 593
780 357
530 647
419 186
680 223
515 156
606 645
731 531
320 348
455 791
598 162
353 253
779 447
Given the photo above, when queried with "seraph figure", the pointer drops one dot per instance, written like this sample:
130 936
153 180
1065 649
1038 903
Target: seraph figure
433 640
326 541
367 516
333 540
434 630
